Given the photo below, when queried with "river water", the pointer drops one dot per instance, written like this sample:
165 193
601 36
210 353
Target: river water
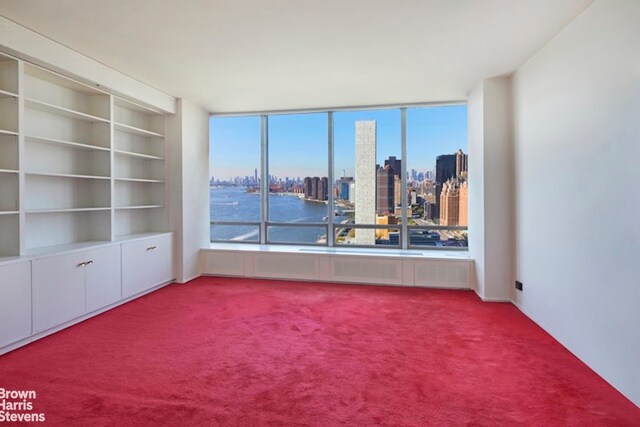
236 204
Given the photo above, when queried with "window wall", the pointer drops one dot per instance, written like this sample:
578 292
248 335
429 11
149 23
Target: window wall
380 178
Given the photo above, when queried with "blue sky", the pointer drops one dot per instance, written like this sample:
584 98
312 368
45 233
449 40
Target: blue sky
298 142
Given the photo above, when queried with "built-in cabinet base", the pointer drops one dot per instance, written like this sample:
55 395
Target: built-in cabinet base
59 289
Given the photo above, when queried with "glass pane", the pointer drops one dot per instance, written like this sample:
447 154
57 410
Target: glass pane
438 238
385 238
298 156
367 168
437 178
236 233
292 234
235 169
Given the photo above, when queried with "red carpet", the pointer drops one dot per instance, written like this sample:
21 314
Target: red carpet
233 352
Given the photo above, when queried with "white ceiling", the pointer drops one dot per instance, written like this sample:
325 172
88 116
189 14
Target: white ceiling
240 55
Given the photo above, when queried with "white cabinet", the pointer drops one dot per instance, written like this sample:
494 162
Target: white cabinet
15 302
103 277
146 263
68 286
58 289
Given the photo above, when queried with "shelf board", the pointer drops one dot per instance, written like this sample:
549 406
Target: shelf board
8 171
7 94
138 180
66 175
54 141
137 155
55 249
64 210
62 111
122 208
134 236
8 132
9 212
136 131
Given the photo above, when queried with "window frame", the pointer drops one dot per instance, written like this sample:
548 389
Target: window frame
404 241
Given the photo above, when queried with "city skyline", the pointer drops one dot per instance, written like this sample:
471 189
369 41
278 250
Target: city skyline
236 152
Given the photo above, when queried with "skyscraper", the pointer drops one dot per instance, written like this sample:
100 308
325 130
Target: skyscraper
385 190
445 167
365 178
396 167
450 203
395 164
463 216
314 187
323 188
307 187
445 170
461 164
344 185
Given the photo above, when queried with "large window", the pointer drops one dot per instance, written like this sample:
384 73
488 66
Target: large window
298 178
382 178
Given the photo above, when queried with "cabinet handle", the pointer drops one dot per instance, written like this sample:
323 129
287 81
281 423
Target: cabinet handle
82 264
150 248
89 262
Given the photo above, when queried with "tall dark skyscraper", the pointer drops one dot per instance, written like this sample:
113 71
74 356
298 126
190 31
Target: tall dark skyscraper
445 167
385 190
445 170
395 164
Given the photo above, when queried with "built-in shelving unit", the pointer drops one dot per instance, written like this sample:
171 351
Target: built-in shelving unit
9 157
83 221
77 164
139 170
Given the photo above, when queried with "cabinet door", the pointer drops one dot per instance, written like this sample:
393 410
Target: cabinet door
103 277
15 302
146 263
58 290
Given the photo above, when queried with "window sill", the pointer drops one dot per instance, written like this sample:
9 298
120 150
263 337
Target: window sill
346 251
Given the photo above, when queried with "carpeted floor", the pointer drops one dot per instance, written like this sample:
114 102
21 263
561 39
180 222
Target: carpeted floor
266 353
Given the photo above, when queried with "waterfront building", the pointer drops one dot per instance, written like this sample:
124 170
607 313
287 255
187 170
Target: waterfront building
323 189
307 187
314 187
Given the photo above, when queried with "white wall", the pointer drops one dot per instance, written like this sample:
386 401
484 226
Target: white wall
36 48
490 188
577 152
188 164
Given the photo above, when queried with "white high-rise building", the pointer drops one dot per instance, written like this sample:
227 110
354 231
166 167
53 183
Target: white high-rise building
365 178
